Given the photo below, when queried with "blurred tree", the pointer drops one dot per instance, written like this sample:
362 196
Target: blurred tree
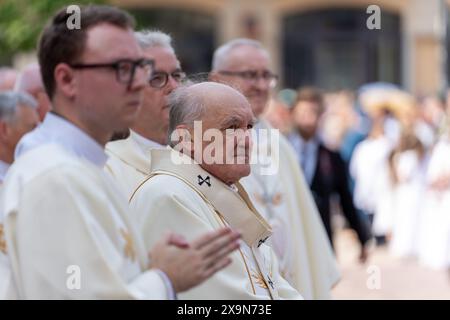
21 22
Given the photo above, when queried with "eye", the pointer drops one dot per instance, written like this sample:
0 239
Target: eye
178 76
249 75
250 126
124 67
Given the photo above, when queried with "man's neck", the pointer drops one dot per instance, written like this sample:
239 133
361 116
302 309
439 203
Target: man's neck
305 137
151 135
6 155
91 130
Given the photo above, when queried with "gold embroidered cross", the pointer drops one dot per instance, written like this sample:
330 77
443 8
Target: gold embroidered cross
129 245
259 279
2 239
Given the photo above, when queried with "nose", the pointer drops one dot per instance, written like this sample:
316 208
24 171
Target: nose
261 84
171 85
139 81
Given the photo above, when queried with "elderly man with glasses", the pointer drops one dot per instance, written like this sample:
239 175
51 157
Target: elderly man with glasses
129 159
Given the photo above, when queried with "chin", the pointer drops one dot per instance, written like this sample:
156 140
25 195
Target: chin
258 108
243 171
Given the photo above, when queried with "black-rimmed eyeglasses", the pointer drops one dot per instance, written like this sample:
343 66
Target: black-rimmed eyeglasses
125 68
253 75
159 79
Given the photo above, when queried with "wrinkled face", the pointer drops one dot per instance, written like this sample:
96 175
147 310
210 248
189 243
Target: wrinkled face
105 103
306 116
248 58
25 120
232 117
155 111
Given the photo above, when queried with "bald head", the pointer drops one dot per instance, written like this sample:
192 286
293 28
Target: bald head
218 118
232 52
245 65
217 95
8 78
30 81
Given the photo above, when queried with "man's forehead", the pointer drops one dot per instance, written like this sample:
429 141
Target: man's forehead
248 57
164 57
112 42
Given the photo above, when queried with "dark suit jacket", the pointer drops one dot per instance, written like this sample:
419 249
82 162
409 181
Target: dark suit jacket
331 177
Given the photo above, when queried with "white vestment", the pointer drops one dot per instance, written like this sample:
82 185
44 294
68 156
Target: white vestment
187 200
129 161
285 200
434 239
368 160
409 196
67 225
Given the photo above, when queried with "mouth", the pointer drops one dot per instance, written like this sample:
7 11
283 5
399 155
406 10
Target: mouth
134 104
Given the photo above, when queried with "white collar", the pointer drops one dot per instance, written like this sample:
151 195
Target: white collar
56 129
144 142
3 169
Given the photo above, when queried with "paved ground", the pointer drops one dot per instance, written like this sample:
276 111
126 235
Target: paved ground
399 278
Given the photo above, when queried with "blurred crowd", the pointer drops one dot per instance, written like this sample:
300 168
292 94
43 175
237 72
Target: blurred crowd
396 151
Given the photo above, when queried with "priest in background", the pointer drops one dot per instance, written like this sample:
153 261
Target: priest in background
129 160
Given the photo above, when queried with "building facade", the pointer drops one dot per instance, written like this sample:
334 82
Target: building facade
326 43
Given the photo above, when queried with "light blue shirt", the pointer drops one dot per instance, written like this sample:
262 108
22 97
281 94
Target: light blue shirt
58 130
307 152
3 170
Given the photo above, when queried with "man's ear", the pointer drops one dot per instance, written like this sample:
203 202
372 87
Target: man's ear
214 76
182 139
4 131
65 80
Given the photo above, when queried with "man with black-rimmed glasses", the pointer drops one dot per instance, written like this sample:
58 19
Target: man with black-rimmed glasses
67 226
129 159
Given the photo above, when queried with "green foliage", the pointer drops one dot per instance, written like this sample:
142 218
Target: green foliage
21 22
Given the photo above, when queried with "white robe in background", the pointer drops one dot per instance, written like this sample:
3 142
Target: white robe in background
285 200
368 160
7 286
129 161
65 220
409 197
187 200
434 240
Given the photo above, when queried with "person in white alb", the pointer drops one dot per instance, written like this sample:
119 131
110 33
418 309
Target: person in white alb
62 212
17 116
129 159
192 198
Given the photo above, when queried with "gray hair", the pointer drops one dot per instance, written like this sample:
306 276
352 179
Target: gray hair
154 38
10 101
221 53
185 108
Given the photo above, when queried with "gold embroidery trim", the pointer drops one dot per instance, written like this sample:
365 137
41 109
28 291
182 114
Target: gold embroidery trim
204 199
129 246
2 239
242 255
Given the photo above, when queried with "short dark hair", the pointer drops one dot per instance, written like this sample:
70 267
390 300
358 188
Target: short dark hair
59 44
312 95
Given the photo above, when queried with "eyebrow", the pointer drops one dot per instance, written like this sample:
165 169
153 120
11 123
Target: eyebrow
160 71
236 120
231 120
